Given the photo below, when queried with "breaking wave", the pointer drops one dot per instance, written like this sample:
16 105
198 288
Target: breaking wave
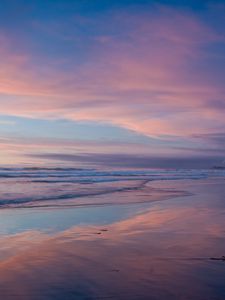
19 186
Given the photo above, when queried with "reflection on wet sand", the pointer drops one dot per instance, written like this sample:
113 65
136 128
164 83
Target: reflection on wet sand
161 253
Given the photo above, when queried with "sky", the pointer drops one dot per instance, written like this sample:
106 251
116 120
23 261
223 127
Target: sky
121 83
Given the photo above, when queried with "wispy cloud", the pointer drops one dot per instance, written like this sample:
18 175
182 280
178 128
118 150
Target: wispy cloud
156 72
134 161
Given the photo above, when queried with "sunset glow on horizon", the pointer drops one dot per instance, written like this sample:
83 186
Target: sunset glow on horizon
108 82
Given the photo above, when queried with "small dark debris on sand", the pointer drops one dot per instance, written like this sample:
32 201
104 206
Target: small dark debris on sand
101 231
222 258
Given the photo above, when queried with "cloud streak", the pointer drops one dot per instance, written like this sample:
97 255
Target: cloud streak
156 72
143 79
134 161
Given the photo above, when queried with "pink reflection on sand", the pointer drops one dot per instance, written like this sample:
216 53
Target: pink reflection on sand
161 251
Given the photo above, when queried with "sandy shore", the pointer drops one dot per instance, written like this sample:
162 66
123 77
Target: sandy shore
153 250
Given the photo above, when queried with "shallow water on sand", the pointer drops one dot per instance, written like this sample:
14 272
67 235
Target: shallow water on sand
140 250
53 187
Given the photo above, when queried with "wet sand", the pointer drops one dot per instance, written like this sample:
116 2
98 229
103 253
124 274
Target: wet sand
149 250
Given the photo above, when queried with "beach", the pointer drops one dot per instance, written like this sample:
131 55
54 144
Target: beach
169 247
112 150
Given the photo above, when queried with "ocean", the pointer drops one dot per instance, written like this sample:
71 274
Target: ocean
88 234
32 186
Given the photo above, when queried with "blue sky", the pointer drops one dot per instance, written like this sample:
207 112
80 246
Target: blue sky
116 78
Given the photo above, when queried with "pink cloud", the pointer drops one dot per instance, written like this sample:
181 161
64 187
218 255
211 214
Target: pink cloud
146 81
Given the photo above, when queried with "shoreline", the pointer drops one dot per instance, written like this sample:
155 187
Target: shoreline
155 194
157 249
